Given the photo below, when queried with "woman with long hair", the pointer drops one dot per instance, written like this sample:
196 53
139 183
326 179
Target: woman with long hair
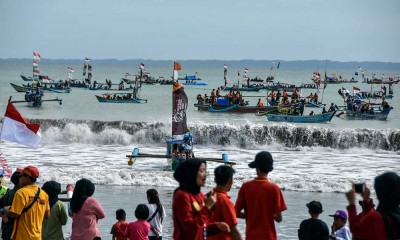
86 211
156 214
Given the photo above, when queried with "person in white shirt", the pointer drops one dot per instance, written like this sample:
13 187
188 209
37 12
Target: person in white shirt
156 214
339 229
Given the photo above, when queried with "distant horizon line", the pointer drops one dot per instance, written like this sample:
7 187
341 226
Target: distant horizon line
219 60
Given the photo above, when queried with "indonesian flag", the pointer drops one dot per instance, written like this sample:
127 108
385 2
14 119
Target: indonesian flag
36 71
17 129
356 90
35 64
141 66
344 90
36 56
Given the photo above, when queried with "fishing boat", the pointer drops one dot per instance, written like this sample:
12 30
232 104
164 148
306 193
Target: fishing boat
34 99
242 89
316 118
119 98
222 105
20 88
312 104
179 147
364 110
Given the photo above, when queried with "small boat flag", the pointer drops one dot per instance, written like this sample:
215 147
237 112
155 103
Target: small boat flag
36 56
17 129
356 90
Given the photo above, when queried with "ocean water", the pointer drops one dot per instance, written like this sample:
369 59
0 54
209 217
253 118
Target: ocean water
85 138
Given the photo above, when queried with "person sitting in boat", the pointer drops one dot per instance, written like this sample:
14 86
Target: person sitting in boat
286 101
324 110
230 96
200 99
311 113
238 97
332 108
218 93
260 103
213 96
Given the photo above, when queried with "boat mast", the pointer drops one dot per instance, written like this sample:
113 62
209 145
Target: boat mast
325 83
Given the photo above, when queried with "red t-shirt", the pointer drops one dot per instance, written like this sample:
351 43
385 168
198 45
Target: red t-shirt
189 215
118 230
224 212
260 200
138 230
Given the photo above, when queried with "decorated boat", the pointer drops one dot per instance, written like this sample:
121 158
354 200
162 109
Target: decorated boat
119 98
34 99
315 118
179 147
364 110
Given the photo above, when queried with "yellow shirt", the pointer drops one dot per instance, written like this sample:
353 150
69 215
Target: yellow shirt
29 224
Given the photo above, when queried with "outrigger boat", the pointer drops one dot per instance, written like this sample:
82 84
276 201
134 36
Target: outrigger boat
180 145
34 99
364 110
316 118
119 98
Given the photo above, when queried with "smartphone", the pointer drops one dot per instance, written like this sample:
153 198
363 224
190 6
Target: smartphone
359 187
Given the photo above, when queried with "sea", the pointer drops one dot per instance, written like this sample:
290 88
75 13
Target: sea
83 138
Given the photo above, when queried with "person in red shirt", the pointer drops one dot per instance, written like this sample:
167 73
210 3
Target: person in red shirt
260 202
384 222
191 209
224 208
119 228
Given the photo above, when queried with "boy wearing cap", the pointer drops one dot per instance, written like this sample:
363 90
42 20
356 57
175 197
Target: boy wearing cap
30 206
339 229
260 202
313 228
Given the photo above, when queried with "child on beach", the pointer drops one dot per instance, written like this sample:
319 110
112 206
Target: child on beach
119 228
339 229
313 228
139 230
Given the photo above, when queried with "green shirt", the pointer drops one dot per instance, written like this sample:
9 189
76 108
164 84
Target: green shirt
52 227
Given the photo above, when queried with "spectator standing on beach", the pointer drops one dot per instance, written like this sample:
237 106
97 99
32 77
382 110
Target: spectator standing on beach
260 202
313 228
191 209
224 208
118 230
7 223
139 230
384 222
86 212
52 227
30 206
156 214
339 229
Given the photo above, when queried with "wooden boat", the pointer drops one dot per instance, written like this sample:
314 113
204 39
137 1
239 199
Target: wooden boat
180 146
119 98
194 83
234 108
242 89
363 110
34 99
21 88
316 118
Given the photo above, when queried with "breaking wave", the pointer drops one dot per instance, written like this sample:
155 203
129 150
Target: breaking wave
246 136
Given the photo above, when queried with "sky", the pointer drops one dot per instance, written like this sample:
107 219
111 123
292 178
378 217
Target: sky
339 30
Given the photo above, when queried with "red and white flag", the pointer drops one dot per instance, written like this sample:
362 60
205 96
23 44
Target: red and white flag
17 129
356 90
35 64
36 56
344 90
142 66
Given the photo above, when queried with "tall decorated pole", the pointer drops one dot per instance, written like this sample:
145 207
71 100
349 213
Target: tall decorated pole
179 105
36 72
225 74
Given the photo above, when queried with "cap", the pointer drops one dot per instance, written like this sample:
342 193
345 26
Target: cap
31 171
340 214
263 161
315 207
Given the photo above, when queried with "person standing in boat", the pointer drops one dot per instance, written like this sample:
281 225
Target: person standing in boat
260 103
188 143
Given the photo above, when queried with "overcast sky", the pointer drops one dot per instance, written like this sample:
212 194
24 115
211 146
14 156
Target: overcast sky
342 30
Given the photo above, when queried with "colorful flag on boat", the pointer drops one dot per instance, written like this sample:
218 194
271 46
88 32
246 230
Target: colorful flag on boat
36 56
344 90
356 90
179 106
17 129
141 66
225 70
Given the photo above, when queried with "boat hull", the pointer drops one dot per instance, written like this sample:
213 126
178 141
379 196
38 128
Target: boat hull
353 115
108 100
232 109
317 118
